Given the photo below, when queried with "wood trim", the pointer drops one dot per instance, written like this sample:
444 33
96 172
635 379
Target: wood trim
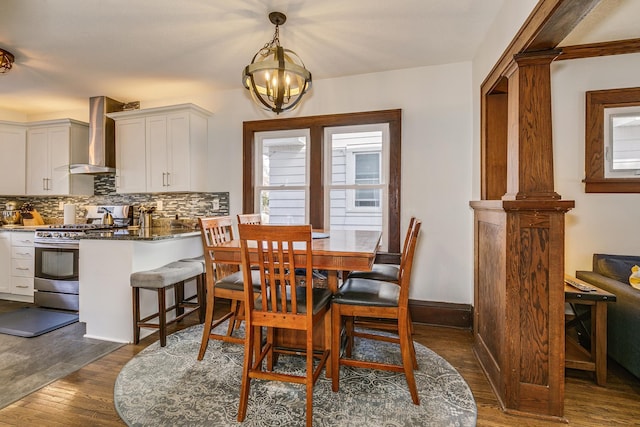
592 50
596 102
316 124
441 314
535 29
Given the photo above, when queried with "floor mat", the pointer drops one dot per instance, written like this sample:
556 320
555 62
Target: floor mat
33 321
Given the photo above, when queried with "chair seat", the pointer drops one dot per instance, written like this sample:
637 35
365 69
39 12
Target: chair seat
384 272
235 281
367 292
320 298
166 275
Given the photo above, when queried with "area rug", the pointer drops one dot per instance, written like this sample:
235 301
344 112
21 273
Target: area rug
167 386
28 364
31 322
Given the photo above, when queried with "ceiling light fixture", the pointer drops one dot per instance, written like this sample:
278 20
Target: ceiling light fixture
276 77
6 61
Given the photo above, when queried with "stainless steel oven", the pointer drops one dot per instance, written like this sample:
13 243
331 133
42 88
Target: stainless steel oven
56 281
57 252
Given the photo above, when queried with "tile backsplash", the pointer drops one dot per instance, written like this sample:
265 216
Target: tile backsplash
184 205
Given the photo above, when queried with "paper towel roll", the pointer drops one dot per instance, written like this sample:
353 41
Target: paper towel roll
69 213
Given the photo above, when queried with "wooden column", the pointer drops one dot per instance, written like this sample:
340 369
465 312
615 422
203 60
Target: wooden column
519 250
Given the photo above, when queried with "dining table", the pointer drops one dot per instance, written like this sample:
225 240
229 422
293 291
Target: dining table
334 251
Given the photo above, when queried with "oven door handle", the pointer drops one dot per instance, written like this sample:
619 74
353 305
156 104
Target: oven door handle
56 245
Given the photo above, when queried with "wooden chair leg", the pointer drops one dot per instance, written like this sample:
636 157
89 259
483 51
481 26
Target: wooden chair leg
328 341
162 316
407 362
309 378
202 292
246 366
208 321
136 315
348 327
178 290
335 346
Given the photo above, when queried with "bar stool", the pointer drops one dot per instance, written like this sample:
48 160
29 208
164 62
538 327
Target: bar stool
161 279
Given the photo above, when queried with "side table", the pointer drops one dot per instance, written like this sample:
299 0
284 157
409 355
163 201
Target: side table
576 356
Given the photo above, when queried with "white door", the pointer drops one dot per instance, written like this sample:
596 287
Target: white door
38 170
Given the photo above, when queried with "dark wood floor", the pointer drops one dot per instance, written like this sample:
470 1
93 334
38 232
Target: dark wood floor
85 398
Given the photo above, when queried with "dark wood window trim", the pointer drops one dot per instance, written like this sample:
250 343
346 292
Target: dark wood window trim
596 102
316 125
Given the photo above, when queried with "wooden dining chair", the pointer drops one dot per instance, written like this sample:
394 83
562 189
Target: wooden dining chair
386 272
223 281
253 218
282 305
368 298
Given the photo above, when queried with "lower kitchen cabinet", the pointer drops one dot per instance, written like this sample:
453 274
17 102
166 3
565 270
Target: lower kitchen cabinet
5 263
22 263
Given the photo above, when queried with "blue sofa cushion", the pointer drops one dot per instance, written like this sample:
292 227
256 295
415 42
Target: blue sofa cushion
617 267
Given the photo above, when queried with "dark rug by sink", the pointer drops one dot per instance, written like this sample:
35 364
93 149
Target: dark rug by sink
28 364
34 321
167 386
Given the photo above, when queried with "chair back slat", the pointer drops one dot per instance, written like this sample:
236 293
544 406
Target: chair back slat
274 250
215 231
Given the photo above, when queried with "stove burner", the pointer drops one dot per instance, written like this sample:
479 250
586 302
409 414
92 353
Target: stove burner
81 227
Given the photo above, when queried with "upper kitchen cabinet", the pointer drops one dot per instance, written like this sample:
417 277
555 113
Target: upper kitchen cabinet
13 139
51 147
161 149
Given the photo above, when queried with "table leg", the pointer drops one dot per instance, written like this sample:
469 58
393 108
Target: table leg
599 341
332 280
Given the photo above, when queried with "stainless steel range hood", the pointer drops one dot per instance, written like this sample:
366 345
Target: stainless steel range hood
102 138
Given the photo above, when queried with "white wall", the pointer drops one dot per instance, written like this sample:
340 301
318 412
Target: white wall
436 159
600 223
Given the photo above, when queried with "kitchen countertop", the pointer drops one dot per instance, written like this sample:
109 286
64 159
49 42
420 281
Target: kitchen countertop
142 234
17 227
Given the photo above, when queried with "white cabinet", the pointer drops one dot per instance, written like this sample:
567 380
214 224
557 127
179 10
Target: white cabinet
13 140
161 149
5 262
51 147
22 263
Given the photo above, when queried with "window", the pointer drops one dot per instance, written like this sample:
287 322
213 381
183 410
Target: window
334 172
612 141
622 142
282 184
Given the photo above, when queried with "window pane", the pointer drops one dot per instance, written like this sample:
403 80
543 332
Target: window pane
626 141
283 206
284 161
342 219
367 168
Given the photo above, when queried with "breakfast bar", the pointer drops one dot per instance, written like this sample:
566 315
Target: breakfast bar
107 261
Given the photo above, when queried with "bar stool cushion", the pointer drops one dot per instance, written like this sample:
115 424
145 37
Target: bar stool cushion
366 292
166 275
198 259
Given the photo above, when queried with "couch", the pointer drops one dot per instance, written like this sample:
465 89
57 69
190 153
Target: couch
611 273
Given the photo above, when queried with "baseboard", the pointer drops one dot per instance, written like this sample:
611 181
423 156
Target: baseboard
442 313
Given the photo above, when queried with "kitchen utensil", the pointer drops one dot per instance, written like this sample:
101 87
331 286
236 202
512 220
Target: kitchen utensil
11 217
107 218
11 206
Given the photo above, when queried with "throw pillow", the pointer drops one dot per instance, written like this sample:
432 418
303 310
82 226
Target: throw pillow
634 279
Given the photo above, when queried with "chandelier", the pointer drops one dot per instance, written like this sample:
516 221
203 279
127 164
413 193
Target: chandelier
6 61
276 77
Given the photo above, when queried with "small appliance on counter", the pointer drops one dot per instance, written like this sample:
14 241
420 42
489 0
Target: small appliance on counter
11 214
119 215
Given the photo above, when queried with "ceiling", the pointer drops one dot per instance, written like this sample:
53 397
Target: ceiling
69 50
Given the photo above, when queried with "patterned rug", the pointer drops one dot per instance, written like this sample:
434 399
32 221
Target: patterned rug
169 387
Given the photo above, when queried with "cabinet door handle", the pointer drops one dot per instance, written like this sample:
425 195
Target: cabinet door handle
22 268
23 253
44 183
168 184
22 286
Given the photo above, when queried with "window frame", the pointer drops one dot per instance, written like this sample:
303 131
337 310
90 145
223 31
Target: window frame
596 103
316 126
